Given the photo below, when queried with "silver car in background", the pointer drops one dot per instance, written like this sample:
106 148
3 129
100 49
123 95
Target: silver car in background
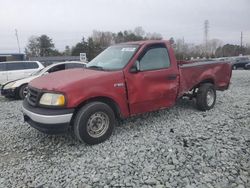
12 70
18 88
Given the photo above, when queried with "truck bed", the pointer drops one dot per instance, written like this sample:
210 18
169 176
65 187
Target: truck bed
194 73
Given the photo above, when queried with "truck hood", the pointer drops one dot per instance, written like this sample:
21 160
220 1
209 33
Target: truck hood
64 81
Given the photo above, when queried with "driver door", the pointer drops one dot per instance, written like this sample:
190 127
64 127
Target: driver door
155 84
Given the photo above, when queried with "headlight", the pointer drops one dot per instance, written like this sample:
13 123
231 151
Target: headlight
52 99
9 85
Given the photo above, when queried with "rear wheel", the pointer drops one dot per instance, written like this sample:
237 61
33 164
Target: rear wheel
206 97
94 123
23 90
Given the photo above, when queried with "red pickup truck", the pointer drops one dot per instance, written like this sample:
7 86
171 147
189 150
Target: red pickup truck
124 80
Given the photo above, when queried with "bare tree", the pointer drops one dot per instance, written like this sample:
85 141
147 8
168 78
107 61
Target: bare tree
138 31
102 38
154 36
213 44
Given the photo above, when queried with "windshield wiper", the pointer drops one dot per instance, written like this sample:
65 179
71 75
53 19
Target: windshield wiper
95 67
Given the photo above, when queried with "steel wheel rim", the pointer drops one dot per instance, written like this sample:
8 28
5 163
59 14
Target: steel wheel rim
97 124
210 97
25 91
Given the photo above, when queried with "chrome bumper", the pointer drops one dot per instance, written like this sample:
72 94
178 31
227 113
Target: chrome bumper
48 119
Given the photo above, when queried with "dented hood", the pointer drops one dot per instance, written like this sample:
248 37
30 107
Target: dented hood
74 78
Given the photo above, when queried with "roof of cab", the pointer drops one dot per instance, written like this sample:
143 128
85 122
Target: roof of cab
145 42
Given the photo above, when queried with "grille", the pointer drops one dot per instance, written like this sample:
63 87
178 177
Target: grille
33 96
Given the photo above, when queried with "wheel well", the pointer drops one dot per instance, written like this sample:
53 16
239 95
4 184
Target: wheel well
105 100
211 81
195 88
22 85
19 87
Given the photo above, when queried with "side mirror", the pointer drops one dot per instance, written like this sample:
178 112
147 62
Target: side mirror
135 68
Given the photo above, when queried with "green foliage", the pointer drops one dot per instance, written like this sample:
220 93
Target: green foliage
230 50
100 40
54 52
41 46
126 36
67 51
93 49
80 47
32 49
46 46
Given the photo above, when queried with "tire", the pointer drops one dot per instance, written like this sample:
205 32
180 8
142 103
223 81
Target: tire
89 118
22 92
234 67
206 97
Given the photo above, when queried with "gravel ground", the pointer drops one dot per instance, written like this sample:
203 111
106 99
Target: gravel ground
178 147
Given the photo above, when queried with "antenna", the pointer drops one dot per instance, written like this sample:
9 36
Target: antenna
17 41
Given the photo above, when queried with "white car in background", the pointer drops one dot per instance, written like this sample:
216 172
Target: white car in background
12 70
18 88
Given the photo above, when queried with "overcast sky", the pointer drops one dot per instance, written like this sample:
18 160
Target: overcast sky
67 21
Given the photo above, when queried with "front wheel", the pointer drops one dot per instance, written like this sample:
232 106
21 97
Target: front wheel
23 91
94 123
206 97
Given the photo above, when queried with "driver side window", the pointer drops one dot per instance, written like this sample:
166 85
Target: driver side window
155 58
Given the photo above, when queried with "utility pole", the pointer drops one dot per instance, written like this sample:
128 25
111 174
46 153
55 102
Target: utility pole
17 41
183 48
241 39
206 27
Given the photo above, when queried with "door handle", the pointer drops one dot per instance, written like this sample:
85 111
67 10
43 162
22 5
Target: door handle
172 77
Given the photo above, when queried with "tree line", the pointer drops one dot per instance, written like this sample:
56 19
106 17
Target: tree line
213 49
43 45
39 46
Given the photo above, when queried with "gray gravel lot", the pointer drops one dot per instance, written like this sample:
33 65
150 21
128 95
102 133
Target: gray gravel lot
178 147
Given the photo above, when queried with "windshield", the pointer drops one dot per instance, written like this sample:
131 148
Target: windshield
113 58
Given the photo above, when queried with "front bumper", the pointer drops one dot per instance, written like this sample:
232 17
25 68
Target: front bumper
8 92
50 121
